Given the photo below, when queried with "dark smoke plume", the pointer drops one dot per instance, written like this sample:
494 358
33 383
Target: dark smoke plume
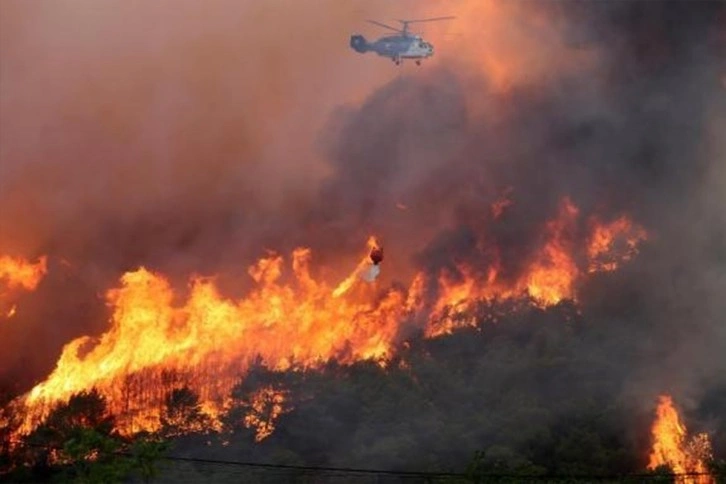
637 132
174 135
187 150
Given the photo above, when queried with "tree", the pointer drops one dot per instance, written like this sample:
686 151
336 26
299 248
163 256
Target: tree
662 474
69 422
78 441
146 451
501 464
95 458
183 413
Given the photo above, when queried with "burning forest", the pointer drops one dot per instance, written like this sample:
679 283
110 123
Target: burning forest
488 265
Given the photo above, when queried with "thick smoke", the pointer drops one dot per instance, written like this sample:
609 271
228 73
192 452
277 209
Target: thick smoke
174 135
136 133
636 132
181 138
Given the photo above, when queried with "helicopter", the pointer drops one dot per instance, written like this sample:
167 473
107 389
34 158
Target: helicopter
397 47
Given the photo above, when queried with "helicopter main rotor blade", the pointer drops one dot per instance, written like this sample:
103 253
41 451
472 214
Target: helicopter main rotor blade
426 20
384 25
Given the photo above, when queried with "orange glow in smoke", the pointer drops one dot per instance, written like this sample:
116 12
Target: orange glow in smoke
289 320
550 277
17 275
511 43
613 242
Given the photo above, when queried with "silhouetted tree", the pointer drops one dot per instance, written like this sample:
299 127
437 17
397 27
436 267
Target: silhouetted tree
183 412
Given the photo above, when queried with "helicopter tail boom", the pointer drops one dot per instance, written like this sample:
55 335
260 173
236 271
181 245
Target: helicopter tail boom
359 44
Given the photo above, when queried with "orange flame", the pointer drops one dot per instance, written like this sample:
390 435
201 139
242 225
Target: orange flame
548 279
209 341
603 248
266 406
552 277
670 447
17 274
288 320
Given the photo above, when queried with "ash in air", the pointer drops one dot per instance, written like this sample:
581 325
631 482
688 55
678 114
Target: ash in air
512 151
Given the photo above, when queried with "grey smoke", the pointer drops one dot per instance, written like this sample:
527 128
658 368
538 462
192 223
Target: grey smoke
186 150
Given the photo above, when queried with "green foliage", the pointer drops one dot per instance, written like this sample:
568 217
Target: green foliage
534 396
537 395
94 458
69 424
146 451
77 443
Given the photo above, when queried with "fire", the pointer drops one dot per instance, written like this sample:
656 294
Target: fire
157 345
551 278
209 342
617 240
548 279
671 447
266 406
17 274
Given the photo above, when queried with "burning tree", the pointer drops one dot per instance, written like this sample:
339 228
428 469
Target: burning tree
686 457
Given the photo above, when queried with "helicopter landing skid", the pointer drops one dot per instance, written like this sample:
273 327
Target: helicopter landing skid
398 61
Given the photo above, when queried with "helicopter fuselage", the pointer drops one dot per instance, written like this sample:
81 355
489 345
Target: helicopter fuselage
395 47
403 47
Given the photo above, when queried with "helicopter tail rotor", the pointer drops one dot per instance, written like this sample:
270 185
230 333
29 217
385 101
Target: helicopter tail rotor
359 44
